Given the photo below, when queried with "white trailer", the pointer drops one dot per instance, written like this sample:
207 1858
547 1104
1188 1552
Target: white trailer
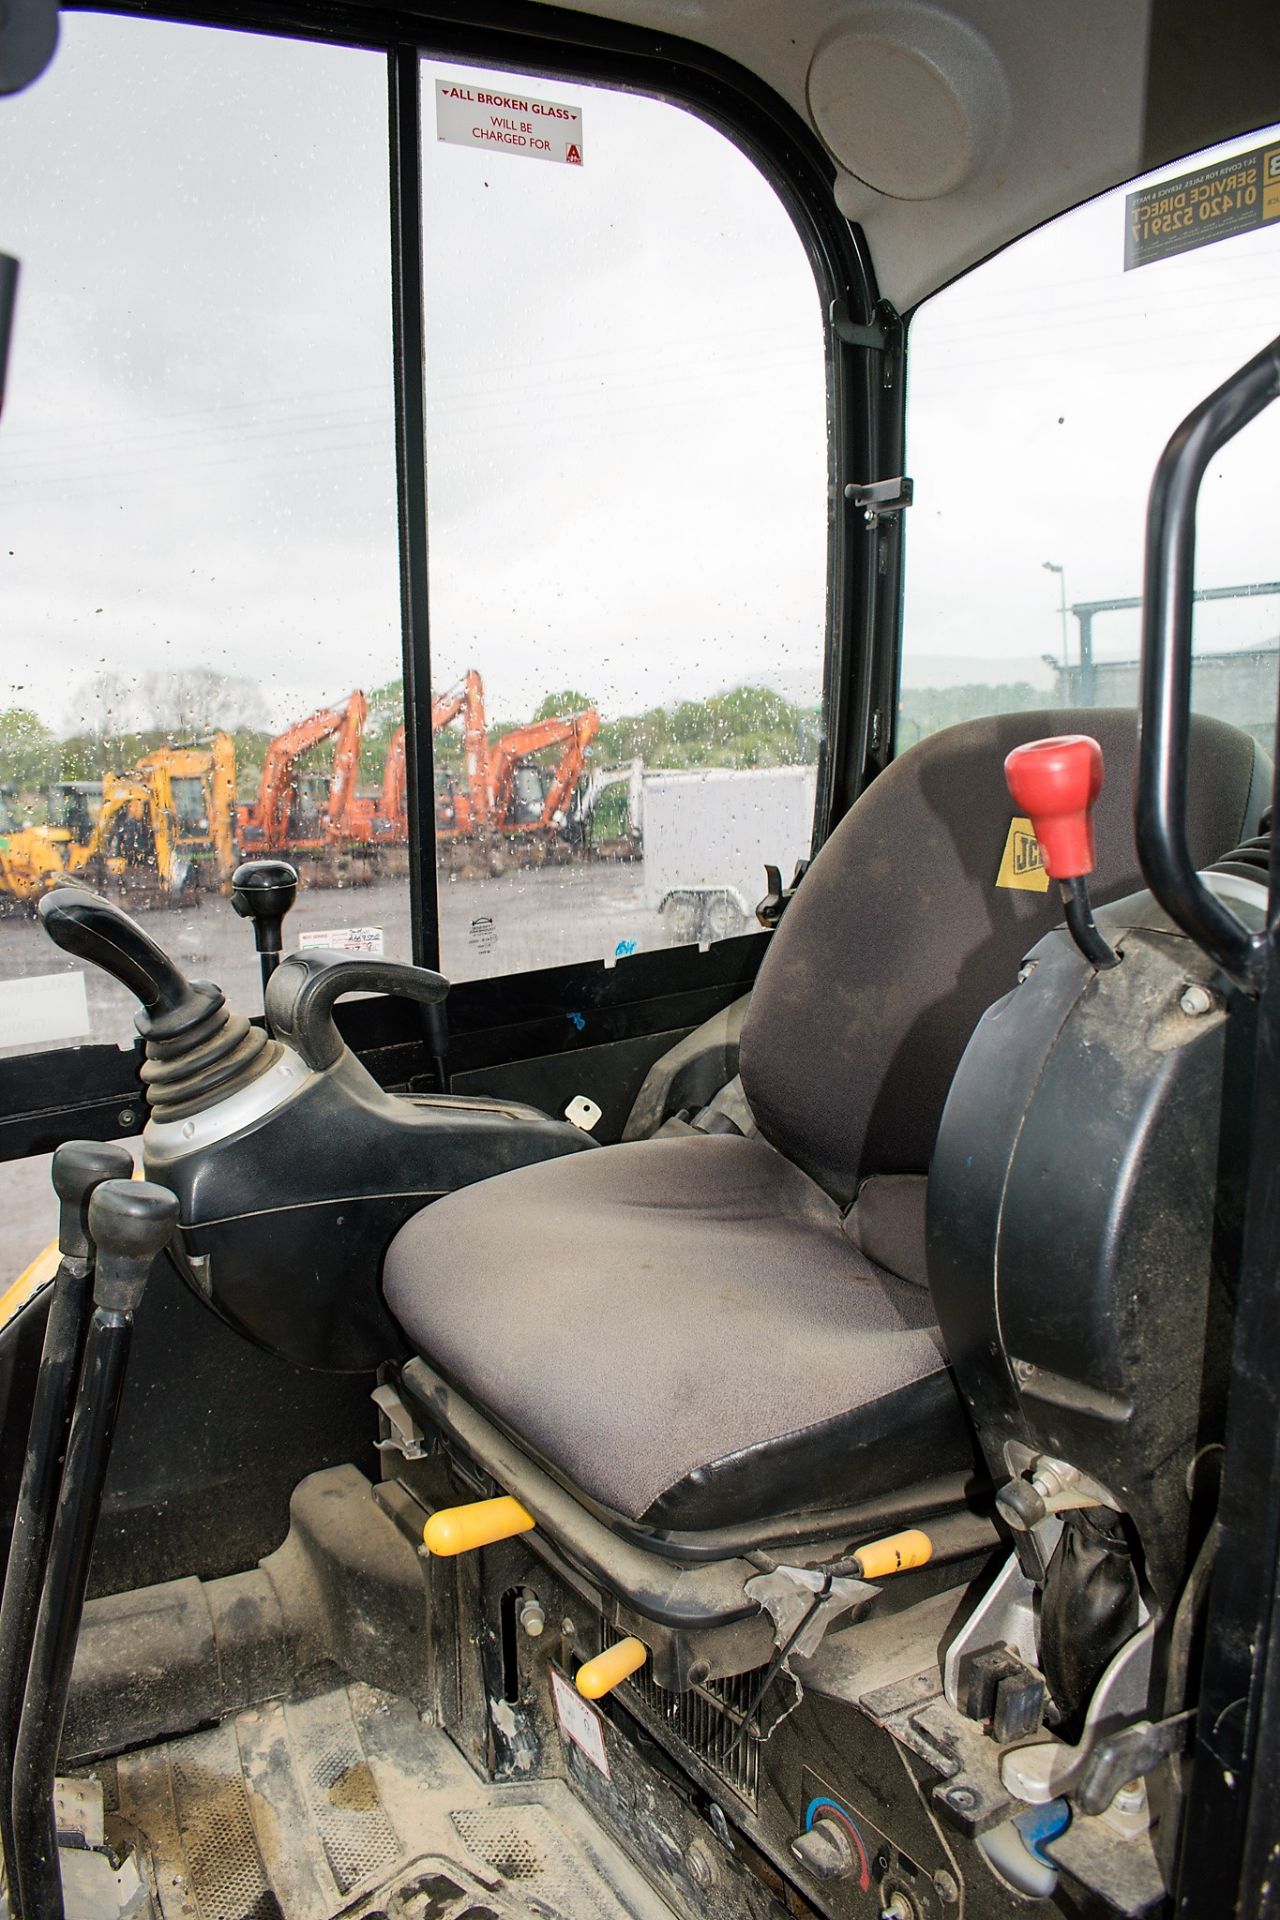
708 834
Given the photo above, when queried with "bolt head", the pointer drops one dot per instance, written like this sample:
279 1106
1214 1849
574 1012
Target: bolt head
947 1887
1196 1000
533 1618
700 1865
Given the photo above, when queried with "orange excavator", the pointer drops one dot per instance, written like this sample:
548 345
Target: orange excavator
315 813
467 699
533 805
503 792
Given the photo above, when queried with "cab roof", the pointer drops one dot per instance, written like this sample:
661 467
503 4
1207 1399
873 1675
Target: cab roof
955 128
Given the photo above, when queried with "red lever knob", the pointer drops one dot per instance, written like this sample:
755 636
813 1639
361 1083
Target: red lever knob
1055 783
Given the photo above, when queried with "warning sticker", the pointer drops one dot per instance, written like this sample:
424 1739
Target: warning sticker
508 123
482 933
1021 865
1235 196
579 1722
344 940
44 1006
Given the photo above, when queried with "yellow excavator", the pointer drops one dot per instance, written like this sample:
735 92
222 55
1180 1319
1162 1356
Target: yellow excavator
165 827
30 857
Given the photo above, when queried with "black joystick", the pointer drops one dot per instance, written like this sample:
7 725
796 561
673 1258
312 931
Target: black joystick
198 1051
130 1223
78 1168
263 891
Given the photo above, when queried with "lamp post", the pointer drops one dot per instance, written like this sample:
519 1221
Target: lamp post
1051 566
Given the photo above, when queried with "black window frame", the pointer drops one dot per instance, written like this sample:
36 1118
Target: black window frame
92 1090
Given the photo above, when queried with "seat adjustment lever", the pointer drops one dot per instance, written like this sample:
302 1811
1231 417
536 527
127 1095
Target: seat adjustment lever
482 1523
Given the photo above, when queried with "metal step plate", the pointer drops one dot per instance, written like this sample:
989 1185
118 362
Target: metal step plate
344 1803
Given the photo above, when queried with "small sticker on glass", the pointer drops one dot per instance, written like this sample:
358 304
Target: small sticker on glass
1213 203
483 934
502 122
366 940
44 1007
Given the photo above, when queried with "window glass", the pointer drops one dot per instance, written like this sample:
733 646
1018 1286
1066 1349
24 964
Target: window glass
200 590
627 487
1043 388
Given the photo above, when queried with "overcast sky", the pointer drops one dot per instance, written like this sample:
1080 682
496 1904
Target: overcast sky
626 426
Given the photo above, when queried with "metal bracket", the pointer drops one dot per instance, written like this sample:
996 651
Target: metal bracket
873 336
777 897
406 1436
1005 1616
880 496
1049 1768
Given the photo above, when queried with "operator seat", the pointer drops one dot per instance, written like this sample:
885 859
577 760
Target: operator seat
701 1331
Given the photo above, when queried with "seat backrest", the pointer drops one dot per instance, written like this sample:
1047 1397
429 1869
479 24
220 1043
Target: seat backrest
900 938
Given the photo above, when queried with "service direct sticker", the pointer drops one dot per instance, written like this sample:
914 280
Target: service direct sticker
501 122
1213 203
579 1721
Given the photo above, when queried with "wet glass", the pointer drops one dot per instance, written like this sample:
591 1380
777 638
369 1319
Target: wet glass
627 495
199 574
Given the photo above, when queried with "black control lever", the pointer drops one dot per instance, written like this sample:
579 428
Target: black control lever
130 1223
78 1168
91 928
198 1051
303 989
263 891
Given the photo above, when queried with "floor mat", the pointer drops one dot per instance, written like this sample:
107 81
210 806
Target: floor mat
344 1803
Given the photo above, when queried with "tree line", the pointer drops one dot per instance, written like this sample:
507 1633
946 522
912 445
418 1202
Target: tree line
118 720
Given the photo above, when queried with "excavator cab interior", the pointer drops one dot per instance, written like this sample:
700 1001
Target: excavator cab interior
528 1413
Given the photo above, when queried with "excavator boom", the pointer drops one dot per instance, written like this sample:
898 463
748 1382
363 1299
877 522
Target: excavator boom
467 699
268 821
574 733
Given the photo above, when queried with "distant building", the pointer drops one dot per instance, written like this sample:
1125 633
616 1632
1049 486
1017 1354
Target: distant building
1240 686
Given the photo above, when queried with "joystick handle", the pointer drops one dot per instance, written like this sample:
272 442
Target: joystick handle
263 891
130 1222
78 1167
1055 784
94 929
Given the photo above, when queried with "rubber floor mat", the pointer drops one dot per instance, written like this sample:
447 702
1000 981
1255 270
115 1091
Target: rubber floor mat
343 1803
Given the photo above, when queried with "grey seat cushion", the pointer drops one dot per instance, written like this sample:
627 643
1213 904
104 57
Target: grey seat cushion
680 1330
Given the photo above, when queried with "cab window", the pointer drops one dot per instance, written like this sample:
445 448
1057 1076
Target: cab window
1043 387
627 496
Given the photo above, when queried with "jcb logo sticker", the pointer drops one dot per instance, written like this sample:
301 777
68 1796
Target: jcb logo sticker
1021 865
1271 184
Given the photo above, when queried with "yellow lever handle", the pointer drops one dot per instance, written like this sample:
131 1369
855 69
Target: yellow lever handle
896 1553
597 1677
462 1529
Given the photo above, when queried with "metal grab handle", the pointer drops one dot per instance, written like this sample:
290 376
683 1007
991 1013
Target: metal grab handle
1161 807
